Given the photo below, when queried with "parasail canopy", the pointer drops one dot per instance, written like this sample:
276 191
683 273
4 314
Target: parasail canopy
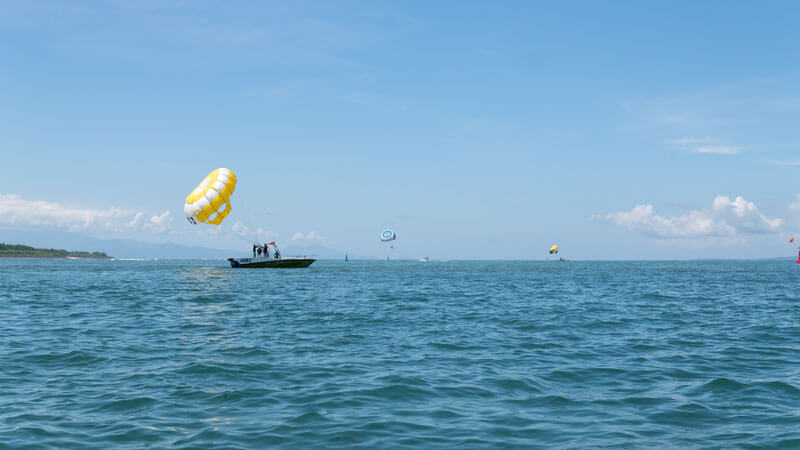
554 250
209 202
791 239
388 235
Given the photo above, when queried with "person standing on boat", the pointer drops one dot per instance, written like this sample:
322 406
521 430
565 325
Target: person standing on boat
260 249
254 250
266 251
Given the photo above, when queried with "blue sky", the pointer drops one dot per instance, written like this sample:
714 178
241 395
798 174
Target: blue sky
493 130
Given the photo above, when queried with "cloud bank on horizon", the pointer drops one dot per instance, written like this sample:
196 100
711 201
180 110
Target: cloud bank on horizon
725 218
43 214
20 213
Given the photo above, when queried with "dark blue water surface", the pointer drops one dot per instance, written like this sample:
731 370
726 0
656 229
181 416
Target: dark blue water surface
99 354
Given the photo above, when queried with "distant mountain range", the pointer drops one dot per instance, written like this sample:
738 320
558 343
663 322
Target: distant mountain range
128 248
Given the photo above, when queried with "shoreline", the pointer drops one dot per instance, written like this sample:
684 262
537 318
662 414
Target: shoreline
49 257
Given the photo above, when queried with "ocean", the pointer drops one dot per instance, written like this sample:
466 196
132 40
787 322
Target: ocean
400 354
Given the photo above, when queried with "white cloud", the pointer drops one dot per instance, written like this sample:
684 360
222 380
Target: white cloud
690 141
705 145
783 162
253 234
717 149
137 220
795 206
158 224
18 212
725 218
743 215
794 210
311 236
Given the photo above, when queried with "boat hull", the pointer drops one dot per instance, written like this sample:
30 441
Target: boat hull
260 263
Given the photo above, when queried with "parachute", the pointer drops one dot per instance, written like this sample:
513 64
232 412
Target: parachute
388 235
554 250
791 239
210 202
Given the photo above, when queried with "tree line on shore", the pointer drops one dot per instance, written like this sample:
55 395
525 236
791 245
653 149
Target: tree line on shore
24 251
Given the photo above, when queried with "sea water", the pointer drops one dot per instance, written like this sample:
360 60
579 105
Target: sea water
399 354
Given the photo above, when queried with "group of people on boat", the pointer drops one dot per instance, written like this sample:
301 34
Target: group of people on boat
262 250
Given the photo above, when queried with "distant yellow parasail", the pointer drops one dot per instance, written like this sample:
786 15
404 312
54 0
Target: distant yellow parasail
553 249
210 202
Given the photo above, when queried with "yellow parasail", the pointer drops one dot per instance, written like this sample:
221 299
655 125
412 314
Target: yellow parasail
209 202
553 249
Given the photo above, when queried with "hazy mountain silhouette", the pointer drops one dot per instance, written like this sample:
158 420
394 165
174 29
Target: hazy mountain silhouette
129 248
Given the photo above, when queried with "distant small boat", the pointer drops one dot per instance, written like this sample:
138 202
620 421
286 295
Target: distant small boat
278 263
425 259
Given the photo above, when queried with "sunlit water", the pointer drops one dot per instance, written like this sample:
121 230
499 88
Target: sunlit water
99 354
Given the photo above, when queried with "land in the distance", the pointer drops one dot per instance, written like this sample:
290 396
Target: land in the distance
24 251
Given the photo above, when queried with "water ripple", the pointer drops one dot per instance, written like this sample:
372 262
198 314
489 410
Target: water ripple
191 354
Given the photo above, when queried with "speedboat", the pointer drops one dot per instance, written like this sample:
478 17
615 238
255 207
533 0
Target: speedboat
274 261
285 263
425 259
